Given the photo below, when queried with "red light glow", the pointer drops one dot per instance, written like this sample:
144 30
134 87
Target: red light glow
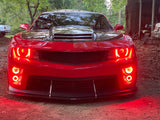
15 78
15 70
16 75
129 78
128 74
123 53
129 70
21 52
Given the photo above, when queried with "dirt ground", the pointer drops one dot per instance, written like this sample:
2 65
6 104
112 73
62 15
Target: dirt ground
144 106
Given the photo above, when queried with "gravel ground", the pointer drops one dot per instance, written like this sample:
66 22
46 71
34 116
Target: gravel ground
144 106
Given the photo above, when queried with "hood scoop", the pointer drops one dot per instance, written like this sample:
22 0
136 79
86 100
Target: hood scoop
73 34
73 37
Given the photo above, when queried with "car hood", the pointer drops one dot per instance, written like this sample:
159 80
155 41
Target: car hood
125 41
71 34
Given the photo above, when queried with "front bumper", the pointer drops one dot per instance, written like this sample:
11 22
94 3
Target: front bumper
40 94
72 82
52 69
73 88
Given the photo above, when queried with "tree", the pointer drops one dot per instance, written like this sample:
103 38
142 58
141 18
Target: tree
118 5
66 4
96 6
34 6
55 4
117 11
14 12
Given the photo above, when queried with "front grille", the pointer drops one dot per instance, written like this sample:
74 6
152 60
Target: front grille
73 37
73 58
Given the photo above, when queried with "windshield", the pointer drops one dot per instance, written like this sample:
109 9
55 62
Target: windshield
49 20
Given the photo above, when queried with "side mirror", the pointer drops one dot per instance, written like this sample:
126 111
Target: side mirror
24 26
118 27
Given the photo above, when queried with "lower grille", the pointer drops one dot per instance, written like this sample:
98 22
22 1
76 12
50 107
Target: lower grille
73 58
108 85
38 83
73 87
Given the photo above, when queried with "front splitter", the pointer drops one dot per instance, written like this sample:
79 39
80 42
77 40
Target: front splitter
40 94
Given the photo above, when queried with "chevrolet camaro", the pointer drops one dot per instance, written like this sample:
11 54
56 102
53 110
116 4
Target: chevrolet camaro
71 54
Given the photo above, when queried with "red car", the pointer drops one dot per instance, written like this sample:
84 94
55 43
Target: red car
71 54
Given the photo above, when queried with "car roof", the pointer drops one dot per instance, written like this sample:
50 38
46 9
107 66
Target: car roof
71 11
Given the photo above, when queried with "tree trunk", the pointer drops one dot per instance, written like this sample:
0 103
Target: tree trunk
132 17
147 18
32 15
119 17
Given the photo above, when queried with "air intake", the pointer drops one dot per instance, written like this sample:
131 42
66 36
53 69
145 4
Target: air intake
73 37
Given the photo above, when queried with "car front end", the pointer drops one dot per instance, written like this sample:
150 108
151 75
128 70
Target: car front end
71 62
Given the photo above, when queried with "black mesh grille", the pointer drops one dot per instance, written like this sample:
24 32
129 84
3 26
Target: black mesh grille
73 58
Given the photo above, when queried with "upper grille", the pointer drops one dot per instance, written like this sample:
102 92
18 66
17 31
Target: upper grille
73 58
73 37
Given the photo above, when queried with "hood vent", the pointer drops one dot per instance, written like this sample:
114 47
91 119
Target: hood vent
73 37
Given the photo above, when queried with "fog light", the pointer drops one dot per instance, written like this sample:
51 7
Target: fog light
129 78
16 75
129 70
15 78
15 70
128 75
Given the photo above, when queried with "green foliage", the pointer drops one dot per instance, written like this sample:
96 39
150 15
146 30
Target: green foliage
113 12
90 5
15 12
95 6
113 16
117 5
56 4
12 13
65 4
